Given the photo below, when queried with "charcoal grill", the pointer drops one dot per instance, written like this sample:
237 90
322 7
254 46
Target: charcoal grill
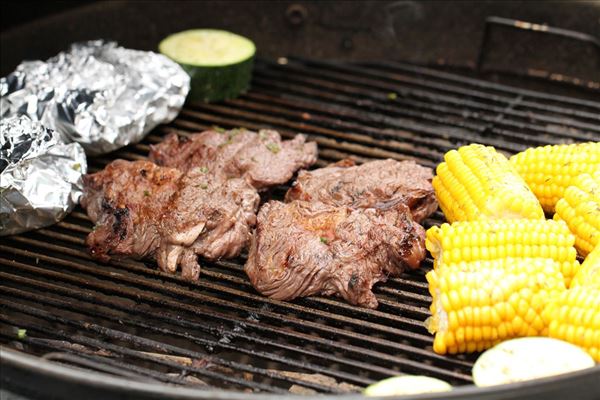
127 330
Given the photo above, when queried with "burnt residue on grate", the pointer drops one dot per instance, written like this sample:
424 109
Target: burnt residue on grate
128 319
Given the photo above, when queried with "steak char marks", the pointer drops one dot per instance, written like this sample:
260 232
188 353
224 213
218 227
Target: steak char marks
124 200
202 201
145 211
372 184
303 249
262 158
343 229
206 217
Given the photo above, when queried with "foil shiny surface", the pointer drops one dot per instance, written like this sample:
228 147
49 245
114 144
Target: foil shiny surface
97 94
40 176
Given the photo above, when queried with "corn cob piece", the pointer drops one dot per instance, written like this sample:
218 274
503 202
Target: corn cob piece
476 182
549 170
574 316
580 209
493 239
589 273
478 304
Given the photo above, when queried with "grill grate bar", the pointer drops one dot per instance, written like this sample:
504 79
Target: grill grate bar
74 358
225 290
203 328
361 74
399 118
471 121
478 83
286 307
102 364
329 302
141 341
259 312
366 123
51 285
469 110
234 117
485 117
103 331
322 314
367 135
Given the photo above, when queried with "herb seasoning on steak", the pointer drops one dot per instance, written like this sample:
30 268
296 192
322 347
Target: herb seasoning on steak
143 210
262 158
124 200
206 217
372 184
202 201
308 248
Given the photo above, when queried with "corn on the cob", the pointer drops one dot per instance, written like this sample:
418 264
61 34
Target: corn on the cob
494 239
589 272
476 182
574 316
476 305
549 170
580 209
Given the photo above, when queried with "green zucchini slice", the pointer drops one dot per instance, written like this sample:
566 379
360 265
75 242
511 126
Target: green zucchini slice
218 62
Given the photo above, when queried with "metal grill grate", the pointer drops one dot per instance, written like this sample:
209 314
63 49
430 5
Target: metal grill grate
129 319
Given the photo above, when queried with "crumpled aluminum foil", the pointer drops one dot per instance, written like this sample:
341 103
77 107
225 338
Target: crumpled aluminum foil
97 94
40 176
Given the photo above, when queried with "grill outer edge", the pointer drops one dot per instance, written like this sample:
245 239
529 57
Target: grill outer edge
67 383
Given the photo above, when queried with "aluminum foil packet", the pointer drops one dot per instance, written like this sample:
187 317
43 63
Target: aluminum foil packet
40 176
97 94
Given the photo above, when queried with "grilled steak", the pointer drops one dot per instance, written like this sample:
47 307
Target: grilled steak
262 158
201 201
143 210
207 217
125 200
372 184
307 248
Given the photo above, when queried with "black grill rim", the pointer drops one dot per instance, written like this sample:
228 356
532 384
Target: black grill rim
16 365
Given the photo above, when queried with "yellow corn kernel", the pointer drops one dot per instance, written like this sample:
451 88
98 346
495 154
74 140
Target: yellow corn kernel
549 170
580 209
476 182
574 316
506 298
589 272
462 241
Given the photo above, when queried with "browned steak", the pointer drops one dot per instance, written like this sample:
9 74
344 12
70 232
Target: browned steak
262 158
207 217
143 210
302 249
125 200
372 184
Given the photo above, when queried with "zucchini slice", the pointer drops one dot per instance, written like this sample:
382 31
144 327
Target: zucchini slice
406 384
218 62
528 358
